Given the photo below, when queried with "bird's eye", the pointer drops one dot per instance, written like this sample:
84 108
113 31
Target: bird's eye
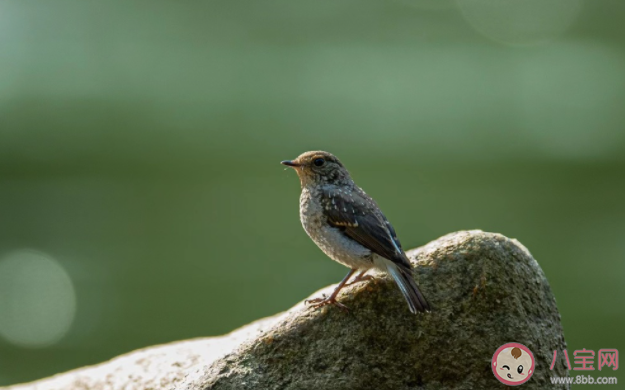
519 369
319 162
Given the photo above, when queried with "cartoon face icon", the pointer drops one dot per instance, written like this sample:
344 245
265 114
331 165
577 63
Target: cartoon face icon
513 364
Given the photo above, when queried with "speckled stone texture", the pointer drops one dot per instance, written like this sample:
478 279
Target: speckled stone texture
486 290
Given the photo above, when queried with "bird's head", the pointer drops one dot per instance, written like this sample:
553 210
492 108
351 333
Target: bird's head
318 167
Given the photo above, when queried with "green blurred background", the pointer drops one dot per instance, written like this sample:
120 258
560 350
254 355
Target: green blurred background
141 199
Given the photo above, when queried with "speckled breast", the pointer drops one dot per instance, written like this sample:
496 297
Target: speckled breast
329 239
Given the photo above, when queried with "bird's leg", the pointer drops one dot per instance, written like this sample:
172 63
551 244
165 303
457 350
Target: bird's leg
331 300
360 277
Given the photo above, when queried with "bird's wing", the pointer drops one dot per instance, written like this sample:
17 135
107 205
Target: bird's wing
357 215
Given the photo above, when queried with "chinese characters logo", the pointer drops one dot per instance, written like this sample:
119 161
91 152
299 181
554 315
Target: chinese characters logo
513 364
584 359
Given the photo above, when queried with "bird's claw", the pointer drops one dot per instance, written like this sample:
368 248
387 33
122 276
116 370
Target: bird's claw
316 303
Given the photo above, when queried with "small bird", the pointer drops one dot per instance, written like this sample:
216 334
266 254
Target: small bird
347 225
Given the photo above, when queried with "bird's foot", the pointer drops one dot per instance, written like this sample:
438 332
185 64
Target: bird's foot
360 279
324 301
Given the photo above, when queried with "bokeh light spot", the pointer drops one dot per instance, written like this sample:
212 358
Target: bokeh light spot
37 299
520 22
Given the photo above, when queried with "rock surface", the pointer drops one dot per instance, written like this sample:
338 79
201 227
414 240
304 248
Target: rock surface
486 290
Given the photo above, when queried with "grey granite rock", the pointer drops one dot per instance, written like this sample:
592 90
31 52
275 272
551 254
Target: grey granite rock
486 291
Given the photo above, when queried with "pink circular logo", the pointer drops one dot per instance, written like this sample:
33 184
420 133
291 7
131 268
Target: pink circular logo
513 364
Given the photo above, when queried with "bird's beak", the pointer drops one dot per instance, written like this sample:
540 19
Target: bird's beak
290 163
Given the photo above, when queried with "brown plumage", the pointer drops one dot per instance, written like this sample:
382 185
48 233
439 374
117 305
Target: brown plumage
349 227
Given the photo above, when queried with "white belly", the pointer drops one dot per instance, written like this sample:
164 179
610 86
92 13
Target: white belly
329 239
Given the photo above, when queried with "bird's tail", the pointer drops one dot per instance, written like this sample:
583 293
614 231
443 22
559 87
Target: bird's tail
403 278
